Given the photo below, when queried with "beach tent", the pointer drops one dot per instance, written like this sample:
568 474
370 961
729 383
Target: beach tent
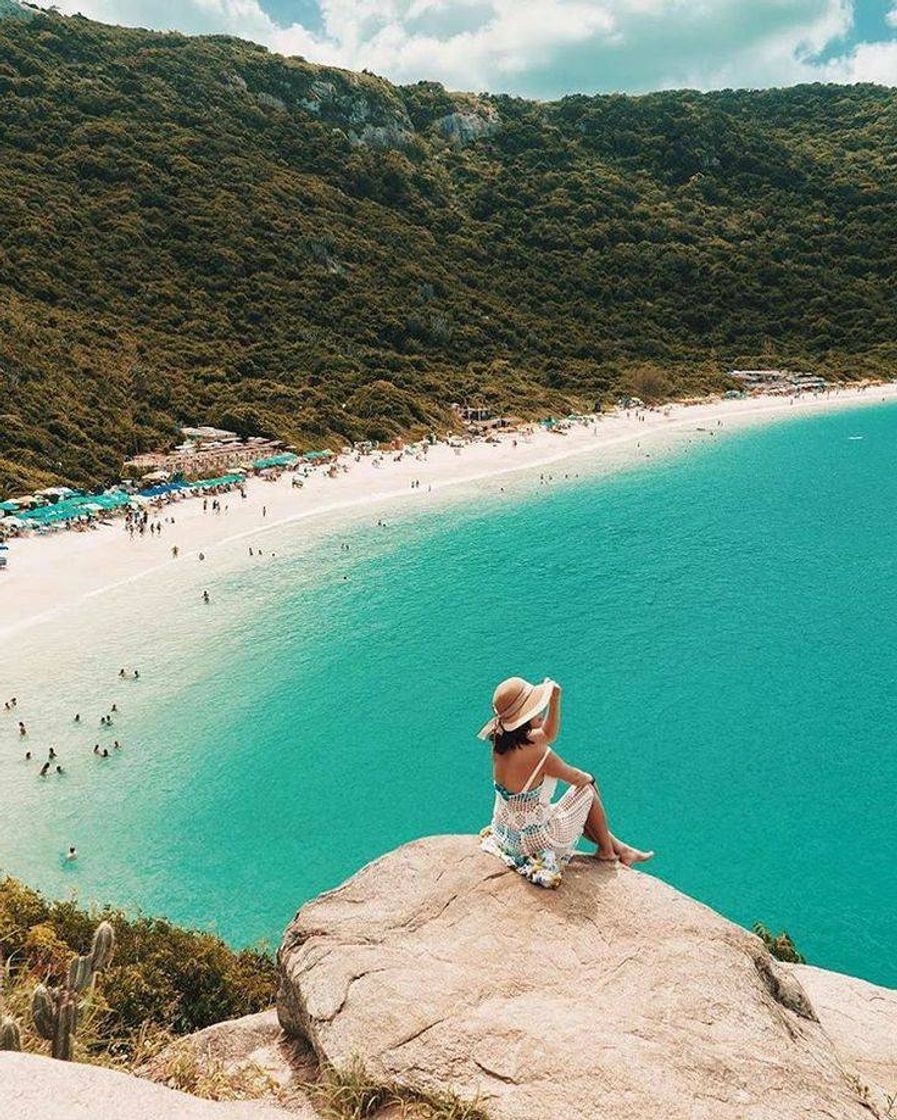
164 488
313 455
285 459
208 483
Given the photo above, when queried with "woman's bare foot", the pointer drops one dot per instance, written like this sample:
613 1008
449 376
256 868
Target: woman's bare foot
606 856
629 856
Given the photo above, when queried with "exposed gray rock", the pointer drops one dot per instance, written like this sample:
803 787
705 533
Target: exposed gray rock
613 997
236 81
464 128
37 1088
10 9
270 101
384 136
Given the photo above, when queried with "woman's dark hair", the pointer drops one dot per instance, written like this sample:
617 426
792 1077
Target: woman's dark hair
504 741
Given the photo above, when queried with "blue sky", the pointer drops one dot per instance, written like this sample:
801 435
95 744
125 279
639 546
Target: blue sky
545 48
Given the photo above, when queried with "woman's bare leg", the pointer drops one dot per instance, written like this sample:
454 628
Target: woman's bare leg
609 847
596 830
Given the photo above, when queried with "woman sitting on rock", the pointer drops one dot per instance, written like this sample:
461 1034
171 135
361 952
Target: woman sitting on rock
528 831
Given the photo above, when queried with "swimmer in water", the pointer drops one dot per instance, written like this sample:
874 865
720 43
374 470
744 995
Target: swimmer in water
22 729
52 753
96 749
27 756
44 769
205 597
77 717
71 854
59 770
117 745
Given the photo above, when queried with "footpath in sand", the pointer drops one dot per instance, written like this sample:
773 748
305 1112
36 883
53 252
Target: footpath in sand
56 572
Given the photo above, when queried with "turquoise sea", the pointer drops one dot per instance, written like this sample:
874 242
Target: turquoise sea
722 620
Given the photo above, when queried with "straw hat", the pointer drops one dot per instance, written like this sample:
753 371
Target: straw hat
514 702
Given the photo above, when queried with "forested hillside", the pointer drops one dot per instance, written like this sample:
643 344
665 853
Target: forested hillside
194 230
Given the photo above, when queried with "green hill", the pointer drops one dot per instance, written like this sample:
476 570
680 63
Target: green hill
194 230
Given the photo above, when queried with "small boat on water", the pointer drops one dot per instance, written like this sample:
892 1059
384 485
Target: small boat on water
854 437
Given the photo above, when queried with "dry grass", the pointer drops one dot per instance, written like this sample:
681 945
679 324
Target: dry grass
348 1094
352 1094
182 1067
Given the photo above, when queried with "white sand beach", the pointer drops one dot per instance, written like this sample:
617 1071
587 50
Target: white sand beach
54 573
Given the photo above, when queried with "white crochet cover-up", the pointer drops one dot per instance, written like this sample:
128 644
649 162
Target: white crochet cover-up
527 824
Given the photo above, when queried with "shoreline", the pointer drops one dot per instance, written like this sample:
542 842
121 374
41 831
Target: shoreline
51 574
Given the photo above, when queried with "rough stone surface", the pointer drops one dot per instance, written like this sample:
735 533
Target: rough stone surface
861 1020
36 1088
464 128
270 101
613 997
392 135
253 1042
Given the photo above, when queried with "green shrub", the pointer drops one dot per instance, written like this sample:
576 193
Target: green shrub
779 944
162 977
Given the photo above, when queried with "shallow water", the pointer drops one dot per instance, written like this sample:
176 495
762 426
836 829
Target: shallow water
722 623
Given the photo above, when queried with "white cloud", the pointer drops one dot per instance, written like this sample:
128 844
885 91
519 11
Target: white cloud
547 47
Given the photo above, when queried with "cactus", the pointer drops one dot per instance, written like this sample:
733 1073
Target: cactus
10 1035
43 1011
55 1010
102 948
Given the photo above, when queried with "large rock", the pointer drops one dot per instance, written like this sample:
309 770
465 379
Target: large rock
613 997
36 1088
861 1020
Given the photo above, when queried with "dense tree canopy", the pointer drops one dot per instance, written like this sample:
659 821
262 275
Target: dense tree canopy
194 230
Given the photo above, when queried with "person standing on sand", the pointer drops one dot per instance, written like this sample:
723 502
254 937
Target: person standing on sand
528 832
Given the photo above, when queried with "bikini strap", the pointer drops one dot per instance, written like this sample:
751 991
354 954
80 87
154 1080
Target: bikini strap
536 769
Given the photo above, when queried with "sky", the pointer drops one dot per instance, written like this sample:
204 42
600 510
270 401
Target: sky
547 48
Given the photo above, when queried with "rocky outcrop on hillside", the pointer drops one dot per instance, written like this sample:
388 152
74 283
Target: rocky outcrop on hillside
367 110
462 129
10 9
615 996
